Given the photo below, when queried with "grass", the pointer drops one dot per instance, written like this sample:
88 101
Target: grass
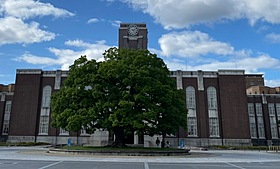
127 148
239 147
24 144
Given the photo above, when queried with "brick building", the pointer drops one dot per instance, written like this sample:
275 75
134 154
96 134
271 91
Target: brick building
220 111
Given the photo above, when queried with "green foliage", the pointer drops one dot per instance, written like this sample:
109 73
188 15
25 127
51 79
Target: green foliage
131 91
239 147
24 144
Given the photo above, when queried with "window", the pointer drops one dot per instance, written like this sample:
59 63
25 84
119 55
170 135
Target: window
192 127
63 132
6 122
212 99
44 125
190 93
278 115
45 110
213 112
46 100
252 82
256 92
83 131
214 127
191 105
252 120
260 120
273 124
259 82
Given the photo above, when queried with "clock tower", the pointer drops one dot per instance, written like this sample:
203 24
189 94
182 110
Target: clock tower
133 36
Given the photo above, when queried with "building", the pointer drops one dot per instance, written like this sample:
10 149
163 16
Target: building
254 80
263 90
220 110
6 98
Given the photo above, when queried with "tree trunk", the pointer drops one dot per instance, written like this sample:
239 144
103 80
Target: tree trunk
119 141
163 140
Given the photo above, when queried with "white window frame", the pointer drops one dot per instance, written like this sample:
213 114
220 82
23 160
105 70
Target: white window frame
278 116
190 97
45 110
212 97
214 126
213 112
273 123
191 106
6 121
260 123
63 132
192 126
252 120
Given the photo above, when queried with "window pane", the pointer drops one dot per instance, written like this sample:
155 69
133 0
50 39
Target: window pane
212 98
192 127
190 94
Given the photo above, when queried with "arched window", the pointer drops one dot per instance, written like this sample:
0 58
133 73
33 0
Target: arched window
191 105
45 110
212 98
213 112
46 100
190 94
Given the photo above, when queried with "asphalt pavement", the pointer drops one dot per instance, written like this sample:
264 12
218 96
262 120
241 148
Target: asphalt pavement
37 158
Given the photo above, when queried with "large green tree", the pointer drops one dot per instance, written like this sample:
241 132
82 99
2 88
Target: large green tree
131 92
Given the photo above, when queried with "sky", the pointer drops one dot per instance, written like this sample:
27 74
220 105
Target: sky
187 34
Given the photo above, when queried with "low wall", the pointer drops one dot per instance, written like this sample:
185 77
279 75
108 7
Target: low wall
122 152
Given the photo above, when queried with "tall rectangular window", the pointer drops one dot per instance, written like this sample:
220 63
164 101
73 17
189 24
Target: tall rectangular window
278 115
191 105
214 126
45 110
252 120
6 122
213 112
44 125
260 120
192 127
273 124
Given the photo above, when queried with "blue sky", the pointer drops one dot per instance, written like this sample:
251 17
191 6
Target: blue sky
187 34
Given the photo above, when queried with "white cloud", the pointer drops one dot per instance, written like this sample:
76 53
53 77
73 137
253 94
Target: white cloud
66 57
25 9
185 13
1 75
93 20
29 58
192 44
272 83
115 23
249 64
263 28
273 38
13 30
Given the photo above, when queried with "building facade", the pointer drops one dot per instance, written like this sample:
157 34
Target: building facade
220 110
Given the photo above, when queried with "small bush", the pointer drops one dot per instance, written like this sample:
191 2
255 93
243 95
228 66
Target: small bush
239 147
24 144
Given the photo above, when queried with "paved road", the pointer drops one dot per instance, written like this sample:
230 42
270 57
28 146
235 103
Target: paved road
11 159
35 164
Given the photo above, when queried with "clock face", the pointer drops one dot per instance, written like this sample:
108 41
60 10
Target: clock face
132 30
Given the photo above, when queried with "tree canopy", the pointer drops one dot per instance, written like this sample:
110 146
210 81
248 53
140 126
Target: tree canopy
131 91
